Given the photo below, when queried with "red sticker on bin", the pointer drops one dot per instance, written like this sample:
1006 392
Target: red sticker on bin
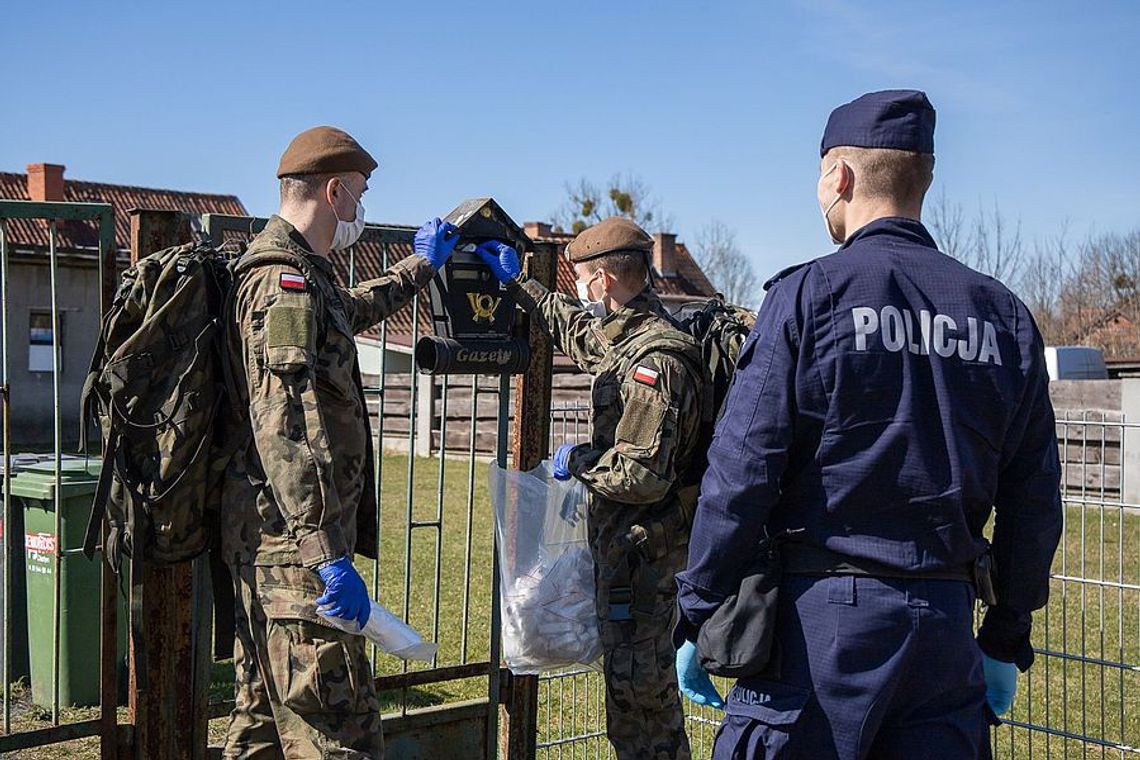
40 543
292 282
646 375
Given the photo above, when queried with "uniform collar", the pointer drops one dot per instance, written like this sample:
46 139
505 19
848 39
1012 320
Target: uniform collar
279 234
625 319
896 226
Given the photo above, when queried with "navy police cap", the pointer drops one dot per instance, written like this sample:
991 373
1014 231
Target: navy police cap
899 119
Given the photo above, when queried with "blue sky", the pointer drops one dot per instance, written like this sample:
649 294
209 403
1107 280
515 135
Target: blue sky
718 106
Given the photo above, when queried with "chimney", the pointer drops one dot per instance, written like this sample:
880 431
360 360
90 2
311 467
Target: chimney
45 182
665 253
536 230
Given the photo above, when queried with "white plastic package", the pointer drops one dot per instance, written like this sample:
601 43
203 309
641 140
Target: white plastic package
547 581
387 632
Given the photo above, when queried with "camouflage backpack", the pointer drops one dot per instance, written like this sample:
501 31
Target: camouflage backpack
720 328
159 389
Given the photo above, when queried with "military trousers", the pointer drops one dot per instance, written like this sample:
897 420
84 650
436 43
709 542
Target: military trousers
303 690
636 608
865 668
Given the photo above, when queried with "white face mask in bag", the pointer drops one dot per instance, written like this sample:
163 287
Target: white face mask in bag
387 632
348 233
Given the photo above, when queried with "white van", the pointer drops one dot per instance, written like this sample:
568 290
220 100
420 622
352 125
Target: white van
1075 363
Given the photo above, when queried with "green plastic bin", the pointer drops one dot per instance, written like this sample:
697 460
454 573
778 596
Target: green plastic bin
80 587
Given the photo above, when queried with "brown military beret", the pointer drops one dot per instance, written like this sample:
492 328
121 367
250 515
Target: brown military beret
614 234
325 150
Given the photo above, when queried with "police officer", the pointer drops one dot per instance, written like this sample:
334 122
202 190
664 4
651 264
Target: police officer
888 398
646 415
295 507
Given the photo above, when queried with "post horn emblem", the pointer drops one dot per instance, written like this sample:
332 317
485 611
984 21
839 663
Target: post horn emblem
483 306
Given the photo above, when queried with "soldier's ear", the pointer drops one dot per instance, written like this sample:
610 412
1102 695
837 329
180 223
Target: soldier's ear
608 280
844 178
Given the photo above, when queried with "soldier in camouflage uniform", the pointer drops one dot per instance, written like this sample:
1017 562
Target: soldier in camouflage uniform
646 417
299 496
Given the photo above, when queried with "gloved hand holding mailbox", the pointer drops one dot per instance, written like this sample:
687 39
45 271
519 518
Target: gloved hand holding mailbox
435 241
502 260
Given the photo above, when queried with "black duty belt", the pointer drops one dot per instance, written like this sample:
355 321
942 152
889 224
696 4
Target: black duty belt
803 559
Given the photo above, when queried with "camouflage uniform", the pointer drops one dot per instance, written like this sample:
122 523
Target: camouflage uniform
292 502
643 436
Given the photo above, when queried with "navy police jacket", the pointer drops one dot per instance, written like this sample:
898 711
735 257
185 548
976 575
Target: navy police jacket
887 400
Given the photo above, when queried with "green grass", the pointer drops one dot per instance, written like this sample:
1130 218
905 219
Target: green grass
1070 696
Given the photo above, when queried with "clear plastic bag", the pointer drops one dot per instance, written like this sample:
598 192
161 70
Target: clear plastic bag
546 586
387 632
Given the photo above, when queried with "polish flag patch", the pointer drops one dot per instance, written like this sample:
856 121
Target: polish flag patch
292 282
646 376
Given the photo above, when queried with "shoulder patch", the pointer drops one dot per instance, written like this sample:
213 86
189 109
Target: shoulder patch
290 281
784 273
646 375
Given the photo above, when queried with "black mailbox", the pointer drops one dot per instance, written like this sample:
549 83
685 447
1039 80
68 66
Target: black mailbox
473 316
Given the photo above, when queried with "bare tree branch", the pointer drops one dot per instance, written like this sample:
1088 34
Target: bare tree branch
624 195
729 270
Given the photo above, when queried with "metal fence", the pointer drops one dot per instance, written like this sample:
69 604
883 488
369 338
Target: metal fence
437 567
41 560
1082 696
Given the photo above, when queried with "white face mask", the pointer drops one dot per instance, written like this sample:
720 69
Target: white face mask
597 308
348 233
827 222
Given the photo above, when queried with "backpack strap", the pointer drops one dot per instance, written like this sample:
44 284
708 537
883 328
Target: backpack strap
90 385
653 340
99 503
241 268
674 345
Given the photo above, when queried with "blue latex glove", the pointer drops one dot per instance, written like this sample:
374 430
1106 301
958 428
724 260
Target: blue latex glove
436 240
693 680
562 461
345 593
1001 684
501 258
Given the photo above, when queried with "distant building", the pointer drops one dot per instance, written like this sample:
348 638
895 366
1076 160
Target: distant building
29 321
678 279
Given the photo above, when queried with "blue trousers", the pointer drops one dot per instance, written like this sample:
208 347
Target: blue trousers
867 668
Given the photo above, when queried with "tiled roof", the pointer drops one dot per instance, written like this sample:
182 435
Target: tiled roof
83 235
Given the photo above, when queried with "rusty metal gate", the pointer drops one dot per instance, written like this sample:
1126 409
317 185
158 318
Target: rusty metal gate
435 439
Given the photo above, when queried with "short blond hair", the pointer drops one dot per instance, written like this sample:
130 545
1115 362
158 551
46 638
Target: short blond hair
887 173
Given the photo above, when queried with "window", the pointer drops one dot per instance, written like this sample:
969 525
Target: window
40 340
